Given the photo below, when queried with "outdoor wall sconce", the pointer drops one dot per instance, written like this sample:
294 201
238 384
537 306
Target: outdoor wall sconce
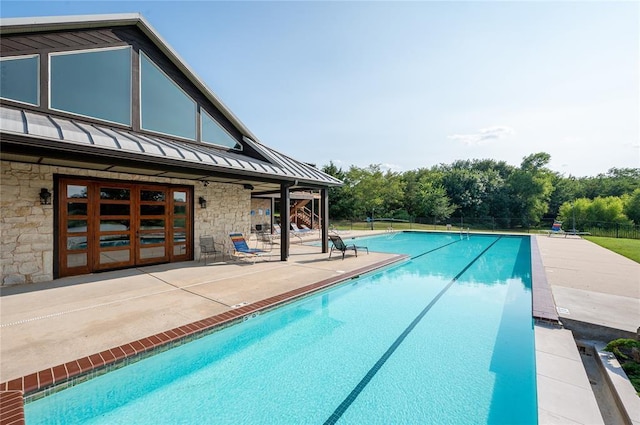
247 186
205 183
45 197
202 202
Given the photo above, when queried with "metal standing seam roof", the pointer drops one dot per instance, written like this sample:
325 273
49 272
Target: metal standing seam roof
103 139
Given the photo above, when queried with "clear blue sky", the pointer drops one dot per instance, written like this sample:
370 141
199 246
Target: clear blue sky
412 84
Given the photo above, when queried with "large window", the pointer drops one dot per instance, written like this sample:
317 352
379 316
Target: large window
212 132
93 83
164 107
97 83
19 79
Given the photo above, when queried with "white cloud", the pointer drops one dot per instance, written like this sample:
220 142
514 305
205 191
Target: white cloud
483 135
391 167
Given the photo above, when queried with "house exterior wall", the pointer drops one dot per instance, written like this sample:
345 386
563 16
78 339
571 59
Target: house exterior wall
27 228
260 207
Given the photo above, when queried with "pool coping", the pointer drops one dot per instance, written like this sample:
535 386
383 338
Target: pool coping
543 306
37 384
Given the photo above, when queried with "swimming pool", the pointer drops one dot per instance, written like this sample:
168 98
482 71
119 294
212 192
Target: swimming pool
446 337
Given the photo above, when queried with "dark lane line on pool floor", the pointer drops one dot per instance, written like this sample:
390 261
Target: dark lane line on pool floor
434 249
337 414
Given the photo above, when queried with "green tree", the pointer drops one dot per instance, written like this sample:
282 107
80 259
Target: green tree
466 188
632 207
565 189
374 193
478 187
340 200
425 196
575 213
616 182
434 202
394 195
586 212
531 187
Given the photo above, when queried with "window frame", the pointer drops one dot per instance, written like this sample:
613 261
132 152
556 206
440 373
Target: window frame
38 82
237 148
196 117
100 49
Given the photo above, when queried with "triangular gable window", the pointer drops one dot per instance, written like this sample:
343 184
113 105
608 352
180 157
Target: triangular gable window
164 107
213 133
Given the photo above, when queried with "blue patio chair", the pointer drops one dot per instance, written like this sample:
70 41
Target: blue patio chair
241 248
556 228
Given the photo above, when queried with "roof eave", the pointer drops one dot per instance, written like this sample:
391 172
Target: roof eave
56 23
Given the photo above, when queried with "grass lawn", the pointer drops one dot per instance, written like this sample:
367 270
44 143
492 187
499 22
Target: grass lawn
630 248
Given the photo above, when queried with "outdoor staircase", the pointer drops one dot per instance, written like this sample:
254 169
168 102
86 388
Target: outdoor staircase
300 214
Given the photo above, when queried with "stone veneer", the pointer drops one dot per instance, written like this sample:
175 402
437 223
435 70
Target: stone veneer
26 227
258 206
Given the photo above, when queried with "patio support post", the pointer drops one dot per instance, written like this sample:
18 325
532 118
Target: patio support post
272 205
324 219
285 225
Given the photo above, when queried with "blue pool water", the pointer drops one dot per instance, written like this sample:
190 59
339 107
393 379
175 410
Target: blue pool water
445 338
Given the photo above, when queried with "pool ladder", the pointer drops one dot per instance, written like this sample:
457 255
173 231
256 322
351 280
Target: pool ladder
463 232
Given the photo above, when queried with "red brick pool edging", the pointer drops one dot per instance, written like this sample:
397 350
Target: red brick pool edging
543 307
41 380
11 408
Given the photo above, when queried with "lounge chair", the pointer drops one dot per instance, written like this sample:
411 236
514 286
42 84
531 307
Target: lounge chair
266 237
278 232
300 231
241 248
556 228
208 246
339 245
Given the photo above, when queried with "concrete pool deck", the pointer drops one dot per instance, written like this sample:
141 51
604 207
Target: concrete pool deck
597 293
51 324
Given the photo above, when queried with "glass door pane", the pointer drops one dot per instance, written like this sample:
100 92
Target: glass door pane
114 236
152 225
74 228
180 240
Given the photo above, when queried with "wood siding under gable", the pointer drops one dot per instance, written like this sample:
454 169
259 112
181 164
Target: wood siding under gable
24 44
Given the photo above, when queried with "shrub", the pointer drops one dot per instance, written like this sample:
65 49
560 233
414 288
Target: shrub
622 348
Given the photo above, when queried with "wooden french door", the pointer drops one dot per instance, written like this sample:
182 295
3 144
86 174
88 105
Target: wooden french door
106 225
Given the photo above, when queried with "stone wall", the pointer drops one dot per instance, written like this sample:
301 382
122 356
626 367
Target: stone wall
228 210
26 227
259 208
